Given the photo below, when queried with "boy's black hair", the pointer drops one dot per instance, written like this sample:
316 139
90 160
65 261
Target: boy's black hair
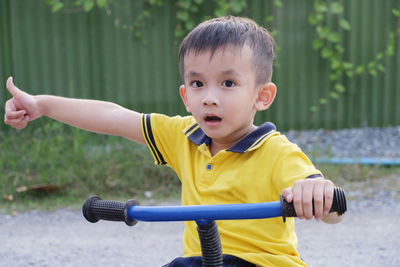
221 32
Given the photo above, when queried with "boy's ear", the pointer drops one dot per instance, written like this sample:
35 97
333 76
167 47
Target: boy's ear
182 92
266 95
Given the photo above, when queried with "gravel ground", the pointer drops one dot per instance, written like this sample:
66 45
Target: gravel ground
360 142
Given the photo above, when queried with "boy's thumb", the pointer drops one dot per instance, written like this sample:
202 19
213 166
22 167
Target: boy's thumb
11 87
288 194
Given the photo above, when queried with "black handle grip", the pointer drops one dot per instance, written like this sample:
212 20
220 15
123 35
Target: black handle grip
95 209
338 205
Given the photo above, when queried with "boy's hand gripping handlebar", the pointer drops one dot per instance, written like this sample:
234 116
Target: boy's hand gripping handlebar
95 209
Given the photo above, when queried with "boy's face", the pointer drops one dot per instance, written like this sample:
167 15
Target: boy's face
221 93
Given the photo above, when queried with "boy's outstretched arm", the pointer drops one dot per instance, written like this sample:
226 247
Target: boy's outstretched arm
91 115
304 192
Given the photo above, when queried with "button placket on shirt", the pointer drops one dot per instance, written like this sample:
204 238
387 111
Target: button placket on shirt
216 159
208 174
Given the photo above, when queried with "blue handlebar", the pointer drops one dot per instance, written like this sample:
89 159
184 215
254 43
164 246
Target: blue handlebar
205 212
95 209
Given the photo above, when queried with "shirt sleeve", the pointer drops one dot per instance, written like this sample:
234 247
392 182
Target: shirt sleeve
163 136
291 164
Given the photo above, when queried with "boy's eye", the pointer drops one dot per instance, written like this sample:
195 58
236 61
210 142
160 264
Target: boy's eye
196 84
228 83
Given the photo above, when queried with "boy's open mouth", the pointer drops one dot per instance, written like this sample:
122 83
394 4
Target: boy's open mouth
212 119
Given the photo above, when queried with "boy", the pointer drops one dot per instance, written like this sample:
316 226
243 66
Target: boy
220 156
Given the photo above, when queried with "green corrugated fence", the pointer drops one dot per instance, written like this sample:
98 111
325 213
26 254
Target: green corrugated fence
96 55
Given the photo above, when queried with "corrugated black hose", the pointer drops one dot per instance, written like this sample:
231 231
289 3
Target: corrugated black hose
210 244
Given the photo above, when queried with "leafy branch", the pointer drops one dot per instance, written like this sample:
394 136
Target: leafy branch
189 10
76 6
135 25
328 43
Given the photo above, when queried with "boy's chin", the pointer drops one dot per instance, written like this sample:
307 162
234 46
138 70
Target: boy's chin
215 134
212 133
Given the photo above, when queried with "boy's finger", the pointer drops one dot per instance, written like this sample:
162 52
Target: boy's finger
307 202
21 125
10 106
16 123
328 196
10 115
318 200
298 201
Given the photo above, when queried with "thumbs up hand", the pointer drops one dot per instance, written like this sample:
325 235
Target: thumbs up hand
21 108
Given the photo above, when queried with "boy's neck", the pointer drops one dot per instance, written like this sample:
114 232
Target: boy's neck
217 145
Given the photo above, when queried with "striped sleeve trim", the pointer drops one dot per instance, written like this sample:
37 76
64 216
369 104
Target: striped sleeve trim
148 136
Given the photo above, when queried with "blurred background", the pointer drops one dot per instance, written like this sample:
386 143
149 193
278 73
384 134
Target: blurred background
336 63
337 66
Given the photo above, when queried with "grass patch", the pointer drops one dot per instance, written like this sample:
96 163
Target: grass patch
347 174
80 164
364 181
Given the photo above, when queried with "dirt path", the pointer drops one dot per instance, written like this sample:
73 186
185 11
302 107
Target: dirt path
366 237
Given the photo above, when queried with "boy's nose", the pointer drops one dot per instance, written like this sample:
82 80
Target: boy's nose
210 98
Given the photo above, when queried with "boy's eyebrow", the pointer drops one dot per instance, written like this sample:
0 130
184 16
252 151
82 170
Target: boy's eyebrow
223 72
192 73
230 72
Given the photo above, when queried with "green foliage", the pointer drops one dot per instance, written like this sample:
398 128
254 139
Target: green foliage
85 5
396 12
80 163
188 15
329 43
55 5
190 12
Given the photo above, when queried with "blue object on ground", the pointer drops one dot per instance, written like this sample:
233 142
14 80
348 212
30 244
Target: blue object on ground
362 161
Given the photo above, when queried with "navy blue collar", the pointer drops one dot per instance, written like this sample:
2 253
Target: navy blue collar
198 137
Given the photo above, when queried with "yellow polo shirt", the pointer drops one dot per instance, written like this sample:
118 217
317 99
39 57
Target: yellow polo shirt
255 170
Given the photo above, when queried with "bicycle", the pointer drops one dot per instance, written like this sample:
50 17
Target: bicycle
130 212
